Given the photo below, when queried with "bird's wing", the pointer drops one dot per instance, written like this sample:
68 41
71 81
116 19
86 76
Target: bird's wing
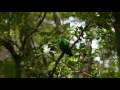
63 44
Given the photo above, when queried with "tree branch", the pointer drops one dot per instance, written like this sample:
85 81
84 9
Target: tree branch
35 30
8 45
13 43
56 63
59 28
81 34
62 54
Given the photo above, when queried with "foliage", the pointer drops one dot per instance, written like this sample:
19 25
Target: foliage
94 53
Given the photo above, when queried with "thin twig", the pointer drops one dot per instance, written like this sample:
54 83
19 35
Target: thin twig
77 70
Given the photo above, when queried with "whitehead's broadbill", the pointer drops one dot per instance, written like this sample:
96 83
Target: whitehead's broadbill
64 46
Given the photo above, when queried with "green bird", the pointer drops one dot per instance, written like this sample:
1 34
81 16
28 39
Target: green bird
64 46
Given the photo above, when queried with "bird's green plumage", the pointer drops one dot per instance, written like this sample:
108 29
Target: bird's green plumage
64 46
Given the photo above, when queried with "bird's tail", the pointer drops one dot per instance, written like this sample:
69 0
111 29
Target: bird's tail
68 52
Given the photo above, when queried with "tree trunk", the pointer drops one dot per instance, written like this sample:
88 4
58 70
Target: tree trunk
17 58
17 68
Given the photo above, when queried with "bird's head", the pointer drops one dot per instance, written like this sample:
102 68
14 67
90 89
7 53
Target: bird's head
60 39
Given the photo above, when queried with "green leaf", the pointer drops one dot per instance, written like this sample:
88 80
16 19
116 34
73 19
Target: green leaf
51 66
